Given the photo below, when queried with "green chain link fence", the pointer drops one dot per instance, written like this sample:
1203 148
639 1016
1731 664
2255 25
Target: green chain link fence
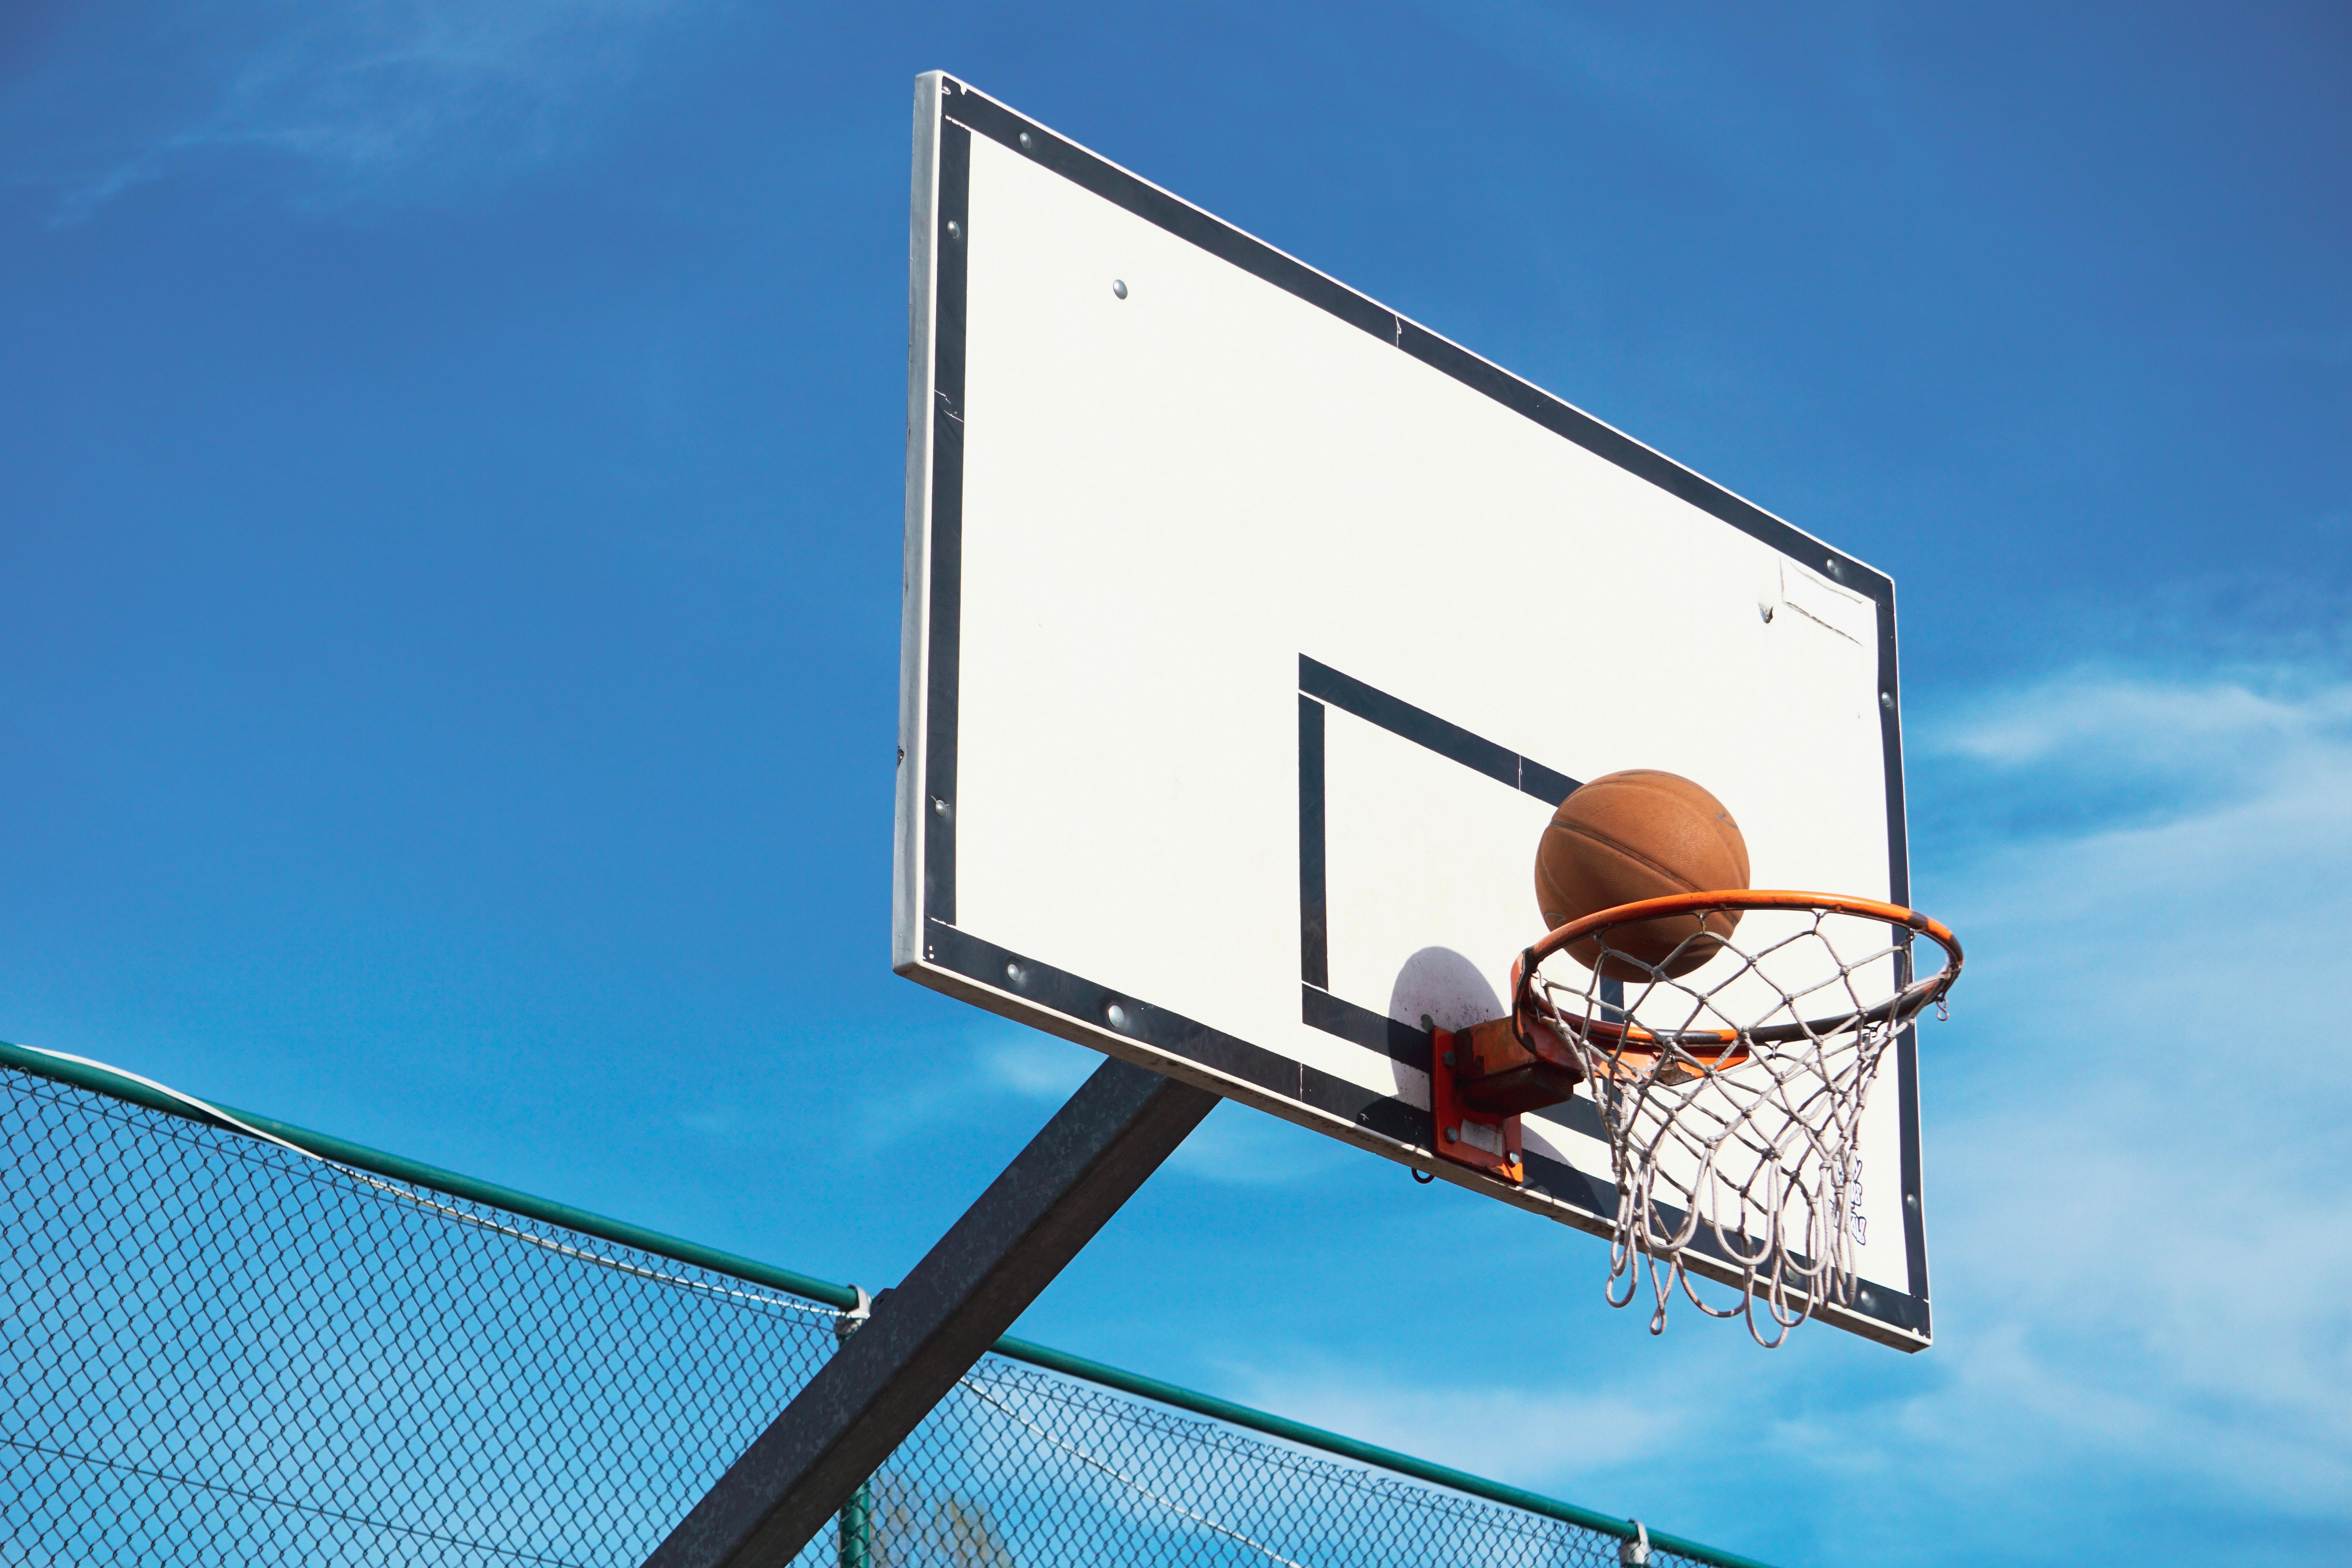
218 1350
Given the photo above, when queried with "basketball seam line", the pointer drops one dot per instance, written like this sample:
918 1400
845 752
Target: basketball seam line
1607 841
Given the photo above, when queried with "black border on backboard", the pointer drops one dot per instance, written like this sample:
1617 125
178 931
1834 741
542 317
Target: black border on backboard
967 964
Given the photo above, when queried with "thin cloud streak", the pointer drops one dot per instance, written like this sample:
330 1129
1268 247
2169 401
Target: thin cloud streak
388 100
1488 1427
2106 721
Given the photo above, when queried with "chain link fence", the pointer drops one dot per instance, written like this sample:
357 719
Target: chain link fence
218 1350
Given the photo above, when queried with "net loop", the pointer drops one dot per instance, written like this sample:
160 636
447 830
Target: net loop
1730 1071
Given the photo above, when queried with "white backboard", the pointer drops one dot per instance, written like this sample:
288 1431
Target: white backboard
1252 634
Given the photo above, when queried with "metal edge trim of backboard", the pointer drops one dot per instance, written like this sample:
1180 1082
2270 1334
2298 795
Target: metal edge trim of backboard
1912 1175
942 605
949 112
906 842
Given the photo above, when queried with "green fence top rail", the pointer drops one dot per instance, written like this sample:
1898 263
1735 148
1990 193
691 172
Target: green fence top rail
100 1080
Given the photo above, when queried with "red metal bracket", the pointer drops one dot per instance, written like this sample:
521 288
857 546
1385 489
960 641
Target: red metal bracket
1484 1140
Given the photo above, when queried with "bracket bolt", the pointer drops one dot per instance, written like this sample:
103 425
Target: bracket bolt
1450 1134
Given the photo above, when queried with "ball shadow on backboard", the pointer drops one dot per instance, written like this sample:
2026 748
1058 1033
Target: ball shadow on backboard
1448 989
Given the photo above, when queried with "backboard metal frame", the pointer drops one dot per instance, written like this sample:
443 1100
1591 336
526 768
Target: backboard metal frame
930 945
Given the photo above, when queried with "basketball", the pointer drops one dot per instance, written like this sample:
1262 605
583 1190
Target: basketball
1639 835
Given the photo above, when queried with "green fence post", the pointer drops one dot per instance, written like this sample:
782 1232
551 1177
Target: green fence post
856 1522
857 1528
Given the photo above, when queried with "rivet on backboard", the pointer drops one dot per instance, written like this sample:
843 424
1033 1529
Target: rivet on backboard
1910 1200
1026 143
955 229
1118 287
1013 973
1118 1017
1865 1298
1450 1134
939 807
1886 701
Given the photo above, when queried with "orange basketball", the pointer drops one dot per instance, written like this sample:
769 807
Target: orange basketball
1638 835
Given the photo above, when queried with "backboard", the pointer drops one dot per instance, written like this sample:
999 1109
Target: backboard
1252 634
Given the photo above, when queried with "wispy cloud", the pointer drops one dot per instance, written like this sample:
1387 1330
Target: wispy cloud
2107 721
379 100
1237 1147
1489 1426
2077 757
2150 1214
1002 1070
1034 1066
1233 1147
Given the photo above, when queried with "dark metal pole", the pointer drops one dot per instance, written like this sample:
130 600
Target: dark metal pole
935 1327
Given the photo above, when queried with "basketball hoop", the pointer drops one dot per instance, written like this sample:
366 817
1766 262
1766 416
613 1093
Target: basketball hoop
1731 1096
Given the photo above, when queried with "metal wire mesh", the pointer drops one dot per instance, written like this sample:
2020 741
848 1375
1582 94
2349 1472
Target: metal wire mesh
217 1350
1730 1053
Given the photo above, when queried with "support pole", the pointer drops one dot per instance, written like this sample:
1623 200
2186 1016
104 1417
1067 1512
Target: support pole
934 1328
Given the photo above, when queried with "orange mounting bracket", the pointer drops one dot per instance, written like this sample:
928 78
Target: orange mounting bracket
1484 1140
1480 1078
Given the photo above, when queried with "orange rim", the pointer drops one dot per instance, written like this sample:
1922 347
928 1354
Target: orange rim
1725 1048
1745 898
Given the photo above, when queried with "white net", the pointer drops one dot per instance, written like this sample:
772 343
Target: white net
1732 1093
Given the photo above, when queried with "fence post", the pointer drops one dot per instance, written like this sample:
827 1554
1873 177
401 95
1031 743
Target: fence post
856 1522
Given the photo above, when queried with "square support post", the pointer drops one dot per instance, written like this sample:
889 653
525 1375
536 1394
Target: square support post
924 1336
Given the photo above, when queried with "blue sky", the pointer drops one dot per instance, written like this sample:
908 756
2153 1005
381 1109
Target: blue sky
451 517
